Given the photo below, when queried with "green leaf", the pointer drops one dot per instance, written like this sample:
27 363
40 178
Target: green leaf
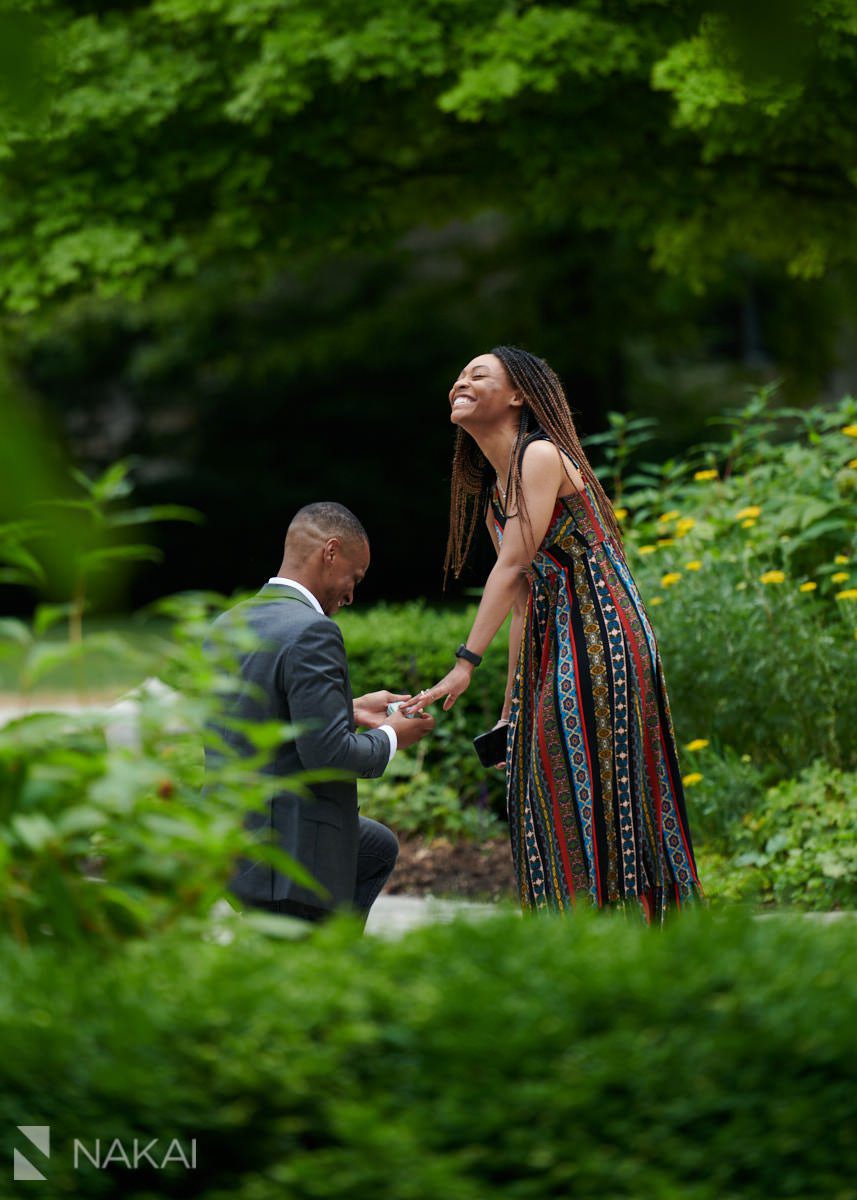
20 556
34 830
12 630
155 512
46 657
48 615
80 819
97 559
113 484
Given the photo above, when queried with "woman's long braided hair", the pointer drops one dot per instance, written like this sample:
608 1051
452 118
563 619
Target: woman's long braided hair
545 410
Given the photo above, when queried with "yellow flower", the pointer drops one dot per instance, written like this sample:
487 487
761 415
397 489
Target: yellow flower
620 513
697 744
752 510
670 578
693 565
691 779
646 549
684 526
850 430
809 586
749 523
848 594
773 577
665 541
839 577
852 464
656 600
841 558
705 474
668 516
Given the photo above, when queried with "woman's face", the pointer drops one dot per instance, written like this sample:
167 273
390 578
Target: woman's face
482 395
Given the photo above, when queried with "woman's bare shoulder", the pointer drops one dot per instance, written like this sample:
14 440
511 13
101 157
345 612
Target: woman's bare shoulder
543 457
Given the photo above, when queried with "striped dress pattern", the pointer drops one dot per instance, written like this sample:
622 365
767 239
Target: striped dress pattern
595 799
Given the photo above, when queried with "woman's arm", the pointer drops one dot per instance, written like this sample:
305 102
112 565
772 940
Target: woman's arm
541 477
519 608
515 631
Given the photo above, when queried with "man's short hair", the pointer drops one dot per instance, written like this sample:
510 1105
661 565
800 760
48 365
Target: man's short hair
329 519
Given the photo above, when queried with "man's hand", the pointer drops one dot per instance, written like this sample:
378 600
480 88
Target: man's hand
410 730
371 710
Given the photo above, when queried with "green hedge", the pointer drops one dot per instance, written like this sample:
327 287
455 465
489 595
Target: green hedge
404 648
586 1057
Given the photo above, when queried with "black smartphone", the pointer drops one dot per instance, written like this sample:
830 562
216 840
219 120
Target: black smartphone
490 747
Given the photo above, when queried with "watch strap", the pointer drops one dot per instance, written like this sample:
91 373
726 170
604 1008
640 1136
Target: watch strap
468 655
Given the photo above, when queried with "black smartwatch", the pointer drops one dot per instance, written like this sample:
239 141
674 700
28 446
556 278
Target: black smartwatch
463 652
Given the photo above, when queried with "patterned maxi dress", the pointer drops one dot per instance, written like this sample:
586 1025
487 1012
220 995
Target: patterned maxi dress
595 799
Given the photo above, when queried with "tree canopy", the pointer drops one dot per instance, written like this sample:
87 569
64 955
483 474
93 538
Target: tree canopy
180 133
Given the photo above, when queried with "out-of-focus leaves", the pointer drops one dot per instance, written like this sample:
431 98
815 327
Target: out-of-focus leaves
296 112
23 61
155 512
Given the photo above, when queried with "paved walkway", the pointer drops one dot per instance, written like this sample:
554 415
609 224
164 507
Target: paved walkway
395 915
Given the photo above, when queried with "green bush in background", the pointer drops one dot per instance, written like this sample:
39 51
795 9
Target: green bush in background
797 845
525 1058
441 789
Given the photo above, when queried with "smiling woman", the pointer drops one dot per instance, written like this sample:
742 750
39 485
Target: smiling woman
594 791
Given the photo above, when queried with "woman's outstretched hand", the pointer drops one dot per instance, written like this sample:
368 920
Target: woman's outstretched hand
452 685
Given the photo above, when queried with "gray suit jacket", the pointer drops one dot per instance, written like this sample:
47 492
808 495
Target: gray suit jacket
298 673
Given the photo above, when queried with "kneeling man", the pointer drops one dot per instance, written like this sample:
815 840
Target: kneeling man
299 673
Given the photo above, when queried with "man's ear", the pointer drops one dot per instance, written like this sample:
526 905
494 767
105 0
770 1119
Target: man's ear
331 549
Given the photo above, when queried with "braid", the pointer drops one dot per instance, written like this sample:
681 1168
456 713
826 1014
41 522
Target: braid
545 410
469 491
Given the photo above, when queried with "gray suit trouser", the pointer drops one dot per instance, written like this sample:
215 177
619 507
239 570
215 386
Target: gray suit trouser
377 852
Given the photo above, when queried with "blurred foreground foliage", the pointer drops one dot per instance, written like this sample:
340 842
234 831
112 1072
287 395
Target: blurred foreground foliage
109 826
513 1057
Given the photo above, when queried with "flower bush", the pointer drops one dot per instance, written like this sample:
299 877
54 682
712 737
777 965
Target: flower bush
754 624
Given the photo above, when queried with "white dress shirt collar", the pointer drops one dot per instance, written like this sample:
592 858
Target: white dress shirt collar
299 587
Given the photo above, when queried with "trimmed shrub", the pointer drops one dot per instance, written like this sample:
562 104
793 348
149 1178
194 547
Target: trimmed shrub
517 1057
406 647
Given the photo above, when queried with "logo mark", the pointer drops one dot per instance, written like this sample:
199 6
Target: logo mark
40 1136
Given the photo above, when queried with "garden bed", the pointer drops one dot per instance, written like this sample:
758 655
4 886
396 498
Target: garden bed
466 870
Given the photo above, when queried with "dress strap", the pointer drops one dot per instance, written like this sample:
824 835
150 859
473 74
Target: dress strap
540 436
